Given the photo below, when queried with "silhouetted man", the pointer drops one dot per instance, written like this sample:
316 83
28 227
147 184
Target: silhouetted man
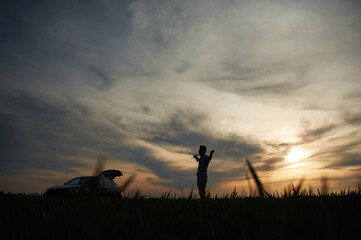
203 161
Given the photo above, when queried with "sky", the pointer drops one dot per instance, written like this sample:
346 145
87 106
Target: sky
143 83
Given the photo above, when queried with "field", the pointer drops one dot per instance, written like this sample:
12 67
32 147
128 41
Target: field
291 216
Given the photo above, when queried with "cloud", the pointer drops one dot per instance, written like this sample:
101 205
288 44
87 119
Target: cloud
99 78
36 132
187 129
347 160
169 175
278 80
342 153
337 144
354 119
311 134
181 133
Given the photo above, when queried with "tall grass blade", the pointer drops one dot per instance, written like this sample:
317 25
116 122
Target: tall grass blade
190 196
99 167
324 185
268 195
256 179
127 182
296 190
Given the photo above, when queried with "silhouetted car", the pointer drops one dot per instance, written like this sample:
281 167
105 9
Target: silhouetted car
103 184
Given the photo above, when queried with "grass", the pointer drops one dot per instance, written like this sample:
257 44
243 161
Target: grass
143 217
294 214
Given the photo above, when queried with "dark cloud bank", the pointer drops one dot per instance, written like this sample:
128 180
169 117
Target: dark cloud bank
41 132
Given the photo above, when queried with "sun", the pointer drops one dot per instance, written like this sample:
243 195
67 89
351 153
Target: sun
296 155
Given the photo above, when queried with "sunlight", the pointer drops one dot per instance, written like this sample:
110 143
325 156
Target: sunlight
296 155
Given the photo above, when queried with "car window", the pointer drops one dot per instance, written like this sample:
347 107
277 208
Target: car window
87 180
74 181
80 180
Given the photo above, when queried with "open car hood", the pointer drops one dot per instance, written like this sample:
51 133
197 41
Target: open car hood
111 174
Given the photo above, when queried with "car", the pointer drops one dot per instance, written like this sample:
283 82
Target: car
103 184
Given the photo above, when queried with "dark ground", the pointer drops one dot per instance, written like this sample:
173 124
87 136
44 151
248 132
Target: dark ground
301 217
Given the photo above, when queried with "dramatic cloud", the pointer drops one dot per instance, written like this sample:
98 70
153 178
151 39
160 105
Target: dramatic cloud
184 129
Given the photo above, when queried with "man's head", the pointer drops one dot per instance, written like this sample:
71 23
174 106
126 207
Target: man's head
202 150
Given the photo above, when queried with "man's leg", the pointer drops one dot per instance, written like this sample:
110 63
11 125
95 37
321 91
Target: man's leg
201 183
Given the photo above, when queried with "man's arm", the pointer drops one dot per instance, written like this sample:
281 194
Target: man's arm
211 155
196 157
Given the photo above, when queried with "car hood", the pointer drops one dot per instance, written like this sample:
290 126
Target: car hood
111 174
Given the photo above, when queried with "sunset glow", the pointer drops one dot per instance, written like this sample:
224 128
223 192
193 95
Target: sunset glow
296 155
